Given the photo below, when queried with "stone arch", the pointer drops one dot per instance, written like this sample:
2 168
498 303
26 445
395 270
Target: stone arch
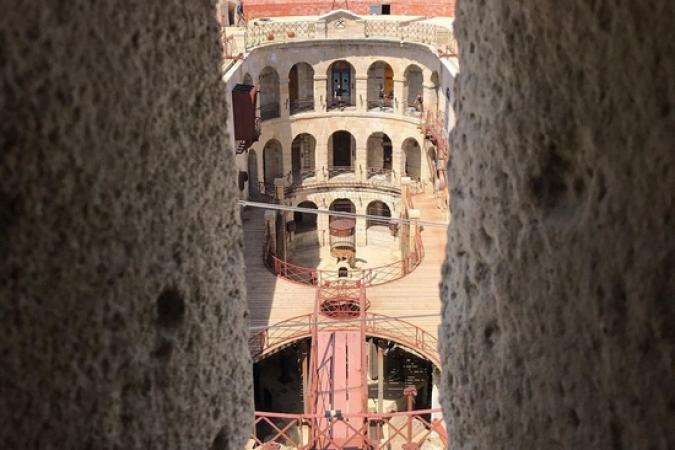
252 161
343 205
380 87
248 79
379 154
303 157
412 159
378 208
301 88
273 166
269 93
341 153
414 90
341 85
305 221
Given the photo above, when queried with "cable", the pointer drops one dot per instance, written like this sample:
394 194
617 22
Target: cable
372 319
341 214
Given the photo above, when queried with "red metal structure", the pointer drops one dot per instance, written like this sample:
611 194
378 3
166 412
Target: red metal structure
246 122
336 414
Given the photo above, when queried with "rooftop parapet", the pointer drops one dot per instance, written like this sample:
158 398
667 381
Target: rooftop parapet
436 33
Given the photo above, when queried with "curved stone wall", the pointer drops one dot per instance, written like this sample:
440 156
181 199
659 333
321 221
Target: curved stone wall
122 310
559 291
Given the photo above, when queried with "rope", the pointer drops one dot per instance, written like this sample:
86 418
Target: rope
341 214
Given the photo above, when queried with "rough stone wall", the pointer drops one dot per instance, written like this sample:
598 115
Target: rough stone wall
122 314
274 8
558 291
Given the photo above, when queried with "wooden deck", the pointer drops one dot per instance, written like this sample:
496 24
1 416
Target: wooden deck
272 300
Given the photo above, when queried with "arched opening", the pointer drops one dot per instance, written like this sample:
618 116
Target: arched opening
341 153
341 87
302 157
414 93
301 88
252 161
341 205
379 156
248 80
272 163
412 159
305 221
380 87
269 94
378 208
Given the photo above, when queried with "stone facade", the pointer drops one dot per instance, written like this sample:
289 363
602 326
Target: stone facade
558 289
122 307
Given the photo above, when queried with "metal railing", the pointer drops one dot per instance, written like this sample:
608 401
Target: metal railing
413 109
347 101
377 431
371 276
381 104
278 336
301 105
334 171
384 174
270 111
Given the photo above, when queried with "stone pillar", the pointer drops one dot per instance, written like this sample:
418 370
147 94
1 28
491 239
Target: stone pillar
320 92
399 95
284 99
361 93
429 98
404 228
361 232
396 161
282 244
270 236
414 216
361 162
122 292
321 158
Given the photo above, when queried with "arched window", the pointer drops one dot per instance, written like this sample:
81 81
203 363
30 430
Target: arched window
342 205
412 159
301 88
341 153
272 162
378 208
414 93
305 221
302 157
379 156
341 92
380 87
269 94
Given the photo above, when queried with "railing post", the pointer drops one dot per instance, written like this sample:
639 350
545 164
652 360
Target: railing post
410 393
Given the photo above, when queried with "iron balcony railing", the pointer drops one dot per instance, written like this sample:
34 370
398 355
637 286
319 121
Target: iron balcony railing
334 171
270 111
301 105
347 101
381 104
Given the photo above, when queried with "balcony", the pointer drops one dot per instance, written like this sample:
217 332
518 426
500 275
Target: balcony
301 105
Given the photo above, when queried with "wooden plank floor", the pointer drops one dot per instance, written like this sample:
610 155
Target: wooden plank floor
272 300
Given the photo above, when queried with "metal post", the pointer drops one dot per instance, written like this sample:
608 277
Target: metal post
410 393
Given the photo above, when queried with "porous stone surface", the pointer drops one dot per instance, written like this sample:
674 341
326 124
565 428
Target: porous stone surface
122 310
558 291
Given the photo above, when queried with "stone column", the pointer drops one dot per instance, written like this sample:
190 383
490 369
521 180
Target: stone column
361 238
404 228
361 99
320 92
321 158
399 95
361 162
414 216
282 245
270 232
396 161
284 99
429 98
